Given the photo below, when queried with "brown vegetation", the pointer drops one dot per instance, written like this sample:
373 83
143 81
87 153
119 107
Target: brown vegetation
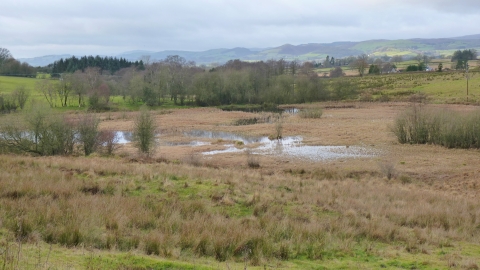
179 203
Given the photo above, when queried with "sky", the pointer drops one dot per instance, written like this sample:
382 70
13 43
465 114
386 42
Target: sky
90 27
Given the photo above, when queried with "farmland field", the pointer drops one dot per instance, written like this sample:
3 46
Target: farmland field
361 200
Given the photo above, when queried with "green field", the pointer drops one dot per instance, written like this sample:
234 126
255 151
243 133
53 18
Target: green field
9 84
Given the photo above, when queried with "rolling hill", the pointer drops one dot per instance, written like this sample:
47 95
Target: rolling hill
303 52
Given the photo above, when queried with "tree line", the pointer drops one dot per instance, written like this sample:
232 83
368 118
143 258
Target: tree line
182 82
462 57
11 67
110 64
235 82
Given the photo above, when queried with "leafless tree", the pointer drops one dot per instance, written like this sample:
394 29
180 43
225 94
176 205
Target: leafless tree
146 60
361 63
64 88
79 86
92 77
108 139
396 59
47 89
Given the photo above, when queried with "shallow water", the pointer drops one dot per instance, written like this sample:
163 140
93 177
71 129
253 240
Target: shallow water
192 143
288 147
123 136
223 136
291 147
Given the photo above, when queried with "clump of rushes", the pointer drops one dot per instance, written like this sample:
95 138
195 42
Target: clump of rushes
311 113
419 125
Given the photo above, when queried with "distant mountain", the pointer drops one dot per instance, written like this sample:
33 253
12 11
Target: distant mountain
468 37
303 52
43 60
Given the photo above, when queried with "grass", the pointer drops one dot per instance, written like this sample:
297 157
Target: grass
172 212
112 205
311 113
9 84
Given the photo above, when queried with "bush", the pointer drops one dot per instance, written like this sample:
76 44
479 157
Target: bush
144 132
343 90
39 132
88 133
108 139
21 95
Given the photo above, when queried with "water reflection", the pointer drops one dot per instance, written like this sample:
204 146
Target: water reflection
223 136
288 146
123 137
291 147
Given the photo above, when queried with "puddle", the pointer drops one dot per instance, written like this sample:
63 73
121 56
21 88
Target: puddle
223 136
260 108
123 136
289 147
252 109
291 110
192 143
293 147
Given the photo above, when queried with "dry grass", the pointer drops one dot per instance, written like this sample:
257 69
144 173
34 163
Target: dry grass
220 208
113 204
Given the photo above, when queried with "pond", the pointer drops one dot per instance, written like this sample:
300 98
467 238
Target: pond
291 147
288 147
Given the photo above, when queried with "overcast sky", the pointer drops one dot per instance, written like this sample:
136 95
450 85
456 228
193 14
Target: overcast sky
90 27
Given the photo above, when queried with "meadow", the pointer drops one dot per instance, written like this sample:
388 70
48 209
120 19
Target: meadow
408 206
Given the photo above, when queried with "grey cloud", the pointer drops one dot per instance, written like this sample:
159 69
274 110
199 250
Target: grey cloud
85 26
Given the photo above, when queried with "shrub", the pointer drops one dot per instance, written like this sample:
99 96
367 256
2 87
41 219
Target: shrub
108 139
388 169
88 133
39 132
252 160
144 132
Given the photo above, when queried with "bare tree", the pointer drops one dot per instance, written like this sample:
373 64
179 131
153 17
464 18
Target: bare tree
361 63
47 89
92 77
63 89
396 59
146 59
79 86
176 77
108 140
387 67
